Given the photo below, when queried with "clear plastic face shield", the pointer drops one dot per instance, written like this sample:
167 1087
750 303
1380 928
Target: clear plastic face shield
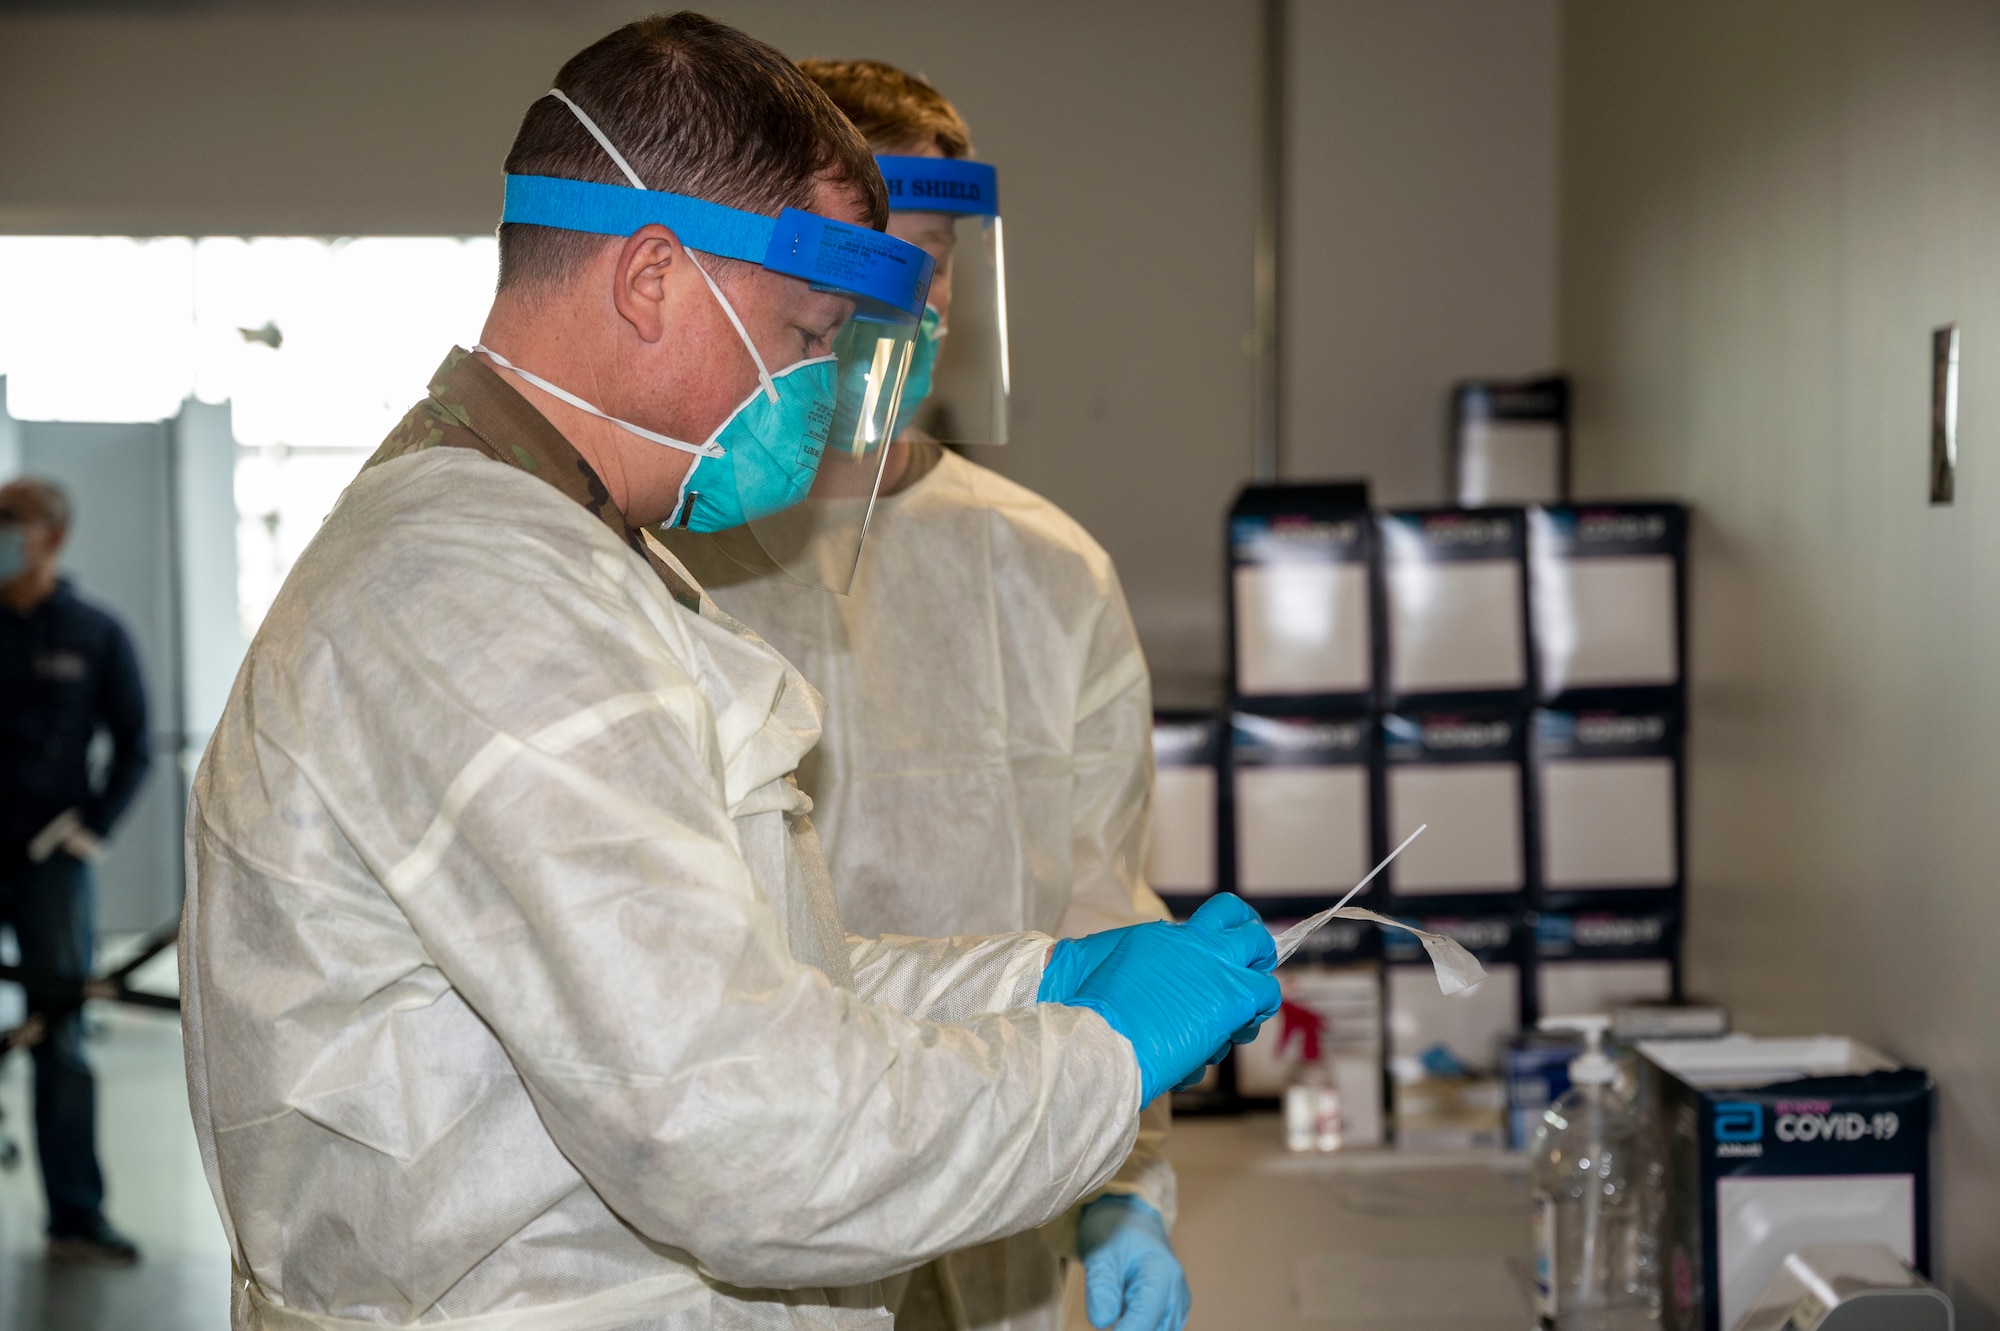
786 483
958 383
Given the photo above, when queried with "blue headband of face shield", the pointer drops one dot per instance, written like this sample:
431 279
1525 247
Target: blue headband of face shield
940 185
832 256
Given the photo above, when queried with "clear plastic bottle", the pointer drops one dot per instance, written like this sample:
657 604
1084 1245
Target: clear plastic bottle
1313 1111
1593 1264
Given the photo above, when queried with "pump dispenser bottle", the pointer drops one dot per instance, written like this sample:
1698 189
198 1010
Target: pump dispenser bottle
1594 1265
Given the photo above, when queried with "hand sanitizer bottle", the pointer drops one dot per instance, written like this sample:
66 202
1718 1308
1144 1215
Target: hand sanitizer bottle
1593 1267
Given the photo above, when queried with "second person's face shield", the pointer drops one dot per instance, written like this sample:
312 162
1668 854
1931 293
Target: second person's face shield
818 541
788 479
959 379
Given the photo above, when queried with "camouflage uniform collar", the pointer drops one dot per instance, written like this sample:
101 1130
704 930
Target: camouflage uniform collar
470 406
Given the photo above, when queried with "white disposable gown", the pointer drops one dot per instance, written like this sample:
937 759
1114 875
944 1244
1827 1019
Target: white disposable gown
516 997
986 766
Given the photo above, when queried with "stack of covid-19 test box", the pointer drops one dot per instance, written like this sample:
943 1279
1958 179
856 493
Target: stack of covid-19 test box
1512 676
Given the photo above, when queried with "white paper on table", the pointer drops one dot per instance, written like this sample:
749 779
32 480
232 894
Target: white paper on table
1182 854
1300 829
1456 624
1302 628
1474 810
1608 822
1605 621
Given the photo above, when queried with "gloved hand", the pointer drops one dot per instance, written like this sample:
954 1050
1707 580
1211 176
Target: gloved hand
1131 1277
1180 993
1221 916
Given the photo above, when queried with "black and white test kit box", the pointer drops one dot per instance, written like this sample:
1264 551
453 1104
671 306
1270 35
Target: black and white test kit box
1302 792
1771 1146
1462 773
1184 856
1454 593
1608 583
1607 784
1300 595
1596 961
1510 441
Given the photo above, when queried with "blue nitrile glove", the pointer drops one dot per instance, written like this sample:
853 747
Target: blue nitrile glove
1073 958
1235 924
1222 916
1180 993
1236 927
1130 1274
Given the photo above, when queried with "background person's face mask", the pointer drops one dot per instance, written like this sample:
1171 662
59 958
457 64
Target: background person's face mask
13 551
923 362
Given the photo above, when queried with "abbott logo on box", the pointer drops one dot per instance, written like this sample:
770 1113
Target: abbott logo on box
1739 1129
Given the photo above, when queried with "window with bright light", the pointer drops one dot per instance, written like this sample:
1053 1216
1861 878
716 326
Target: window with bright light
319 346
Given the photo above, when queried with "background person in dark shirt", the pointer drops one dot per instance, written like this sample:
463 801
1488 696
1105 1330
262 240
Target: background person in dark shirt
67 669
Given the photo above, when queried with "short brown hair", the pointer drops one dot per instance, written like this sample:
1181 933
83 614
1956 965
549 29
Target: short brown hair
698 108
35 499
892 109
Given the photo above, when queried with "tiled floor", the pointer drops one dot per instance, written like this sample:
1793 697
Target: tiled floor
1367 1241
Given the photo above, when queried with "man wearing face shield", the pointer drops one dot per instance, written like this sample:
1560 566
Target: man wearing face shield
515 990
984 662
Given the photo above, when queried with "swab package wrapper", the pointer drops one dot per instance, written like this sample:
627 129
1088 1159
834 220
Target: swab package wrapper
1457 970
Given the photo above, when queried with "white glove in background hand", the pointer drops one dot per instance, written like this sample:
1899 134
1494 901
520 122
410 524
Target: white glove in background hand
66 831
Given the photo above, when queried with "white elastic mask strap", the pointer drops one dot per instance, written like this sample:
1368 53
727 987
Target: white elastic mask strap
710 450
763 375
611 151
603 141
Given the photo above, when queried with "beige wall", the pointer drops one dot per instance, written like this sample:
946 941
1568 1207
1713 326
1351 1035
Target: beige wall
1420 238
1766 208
